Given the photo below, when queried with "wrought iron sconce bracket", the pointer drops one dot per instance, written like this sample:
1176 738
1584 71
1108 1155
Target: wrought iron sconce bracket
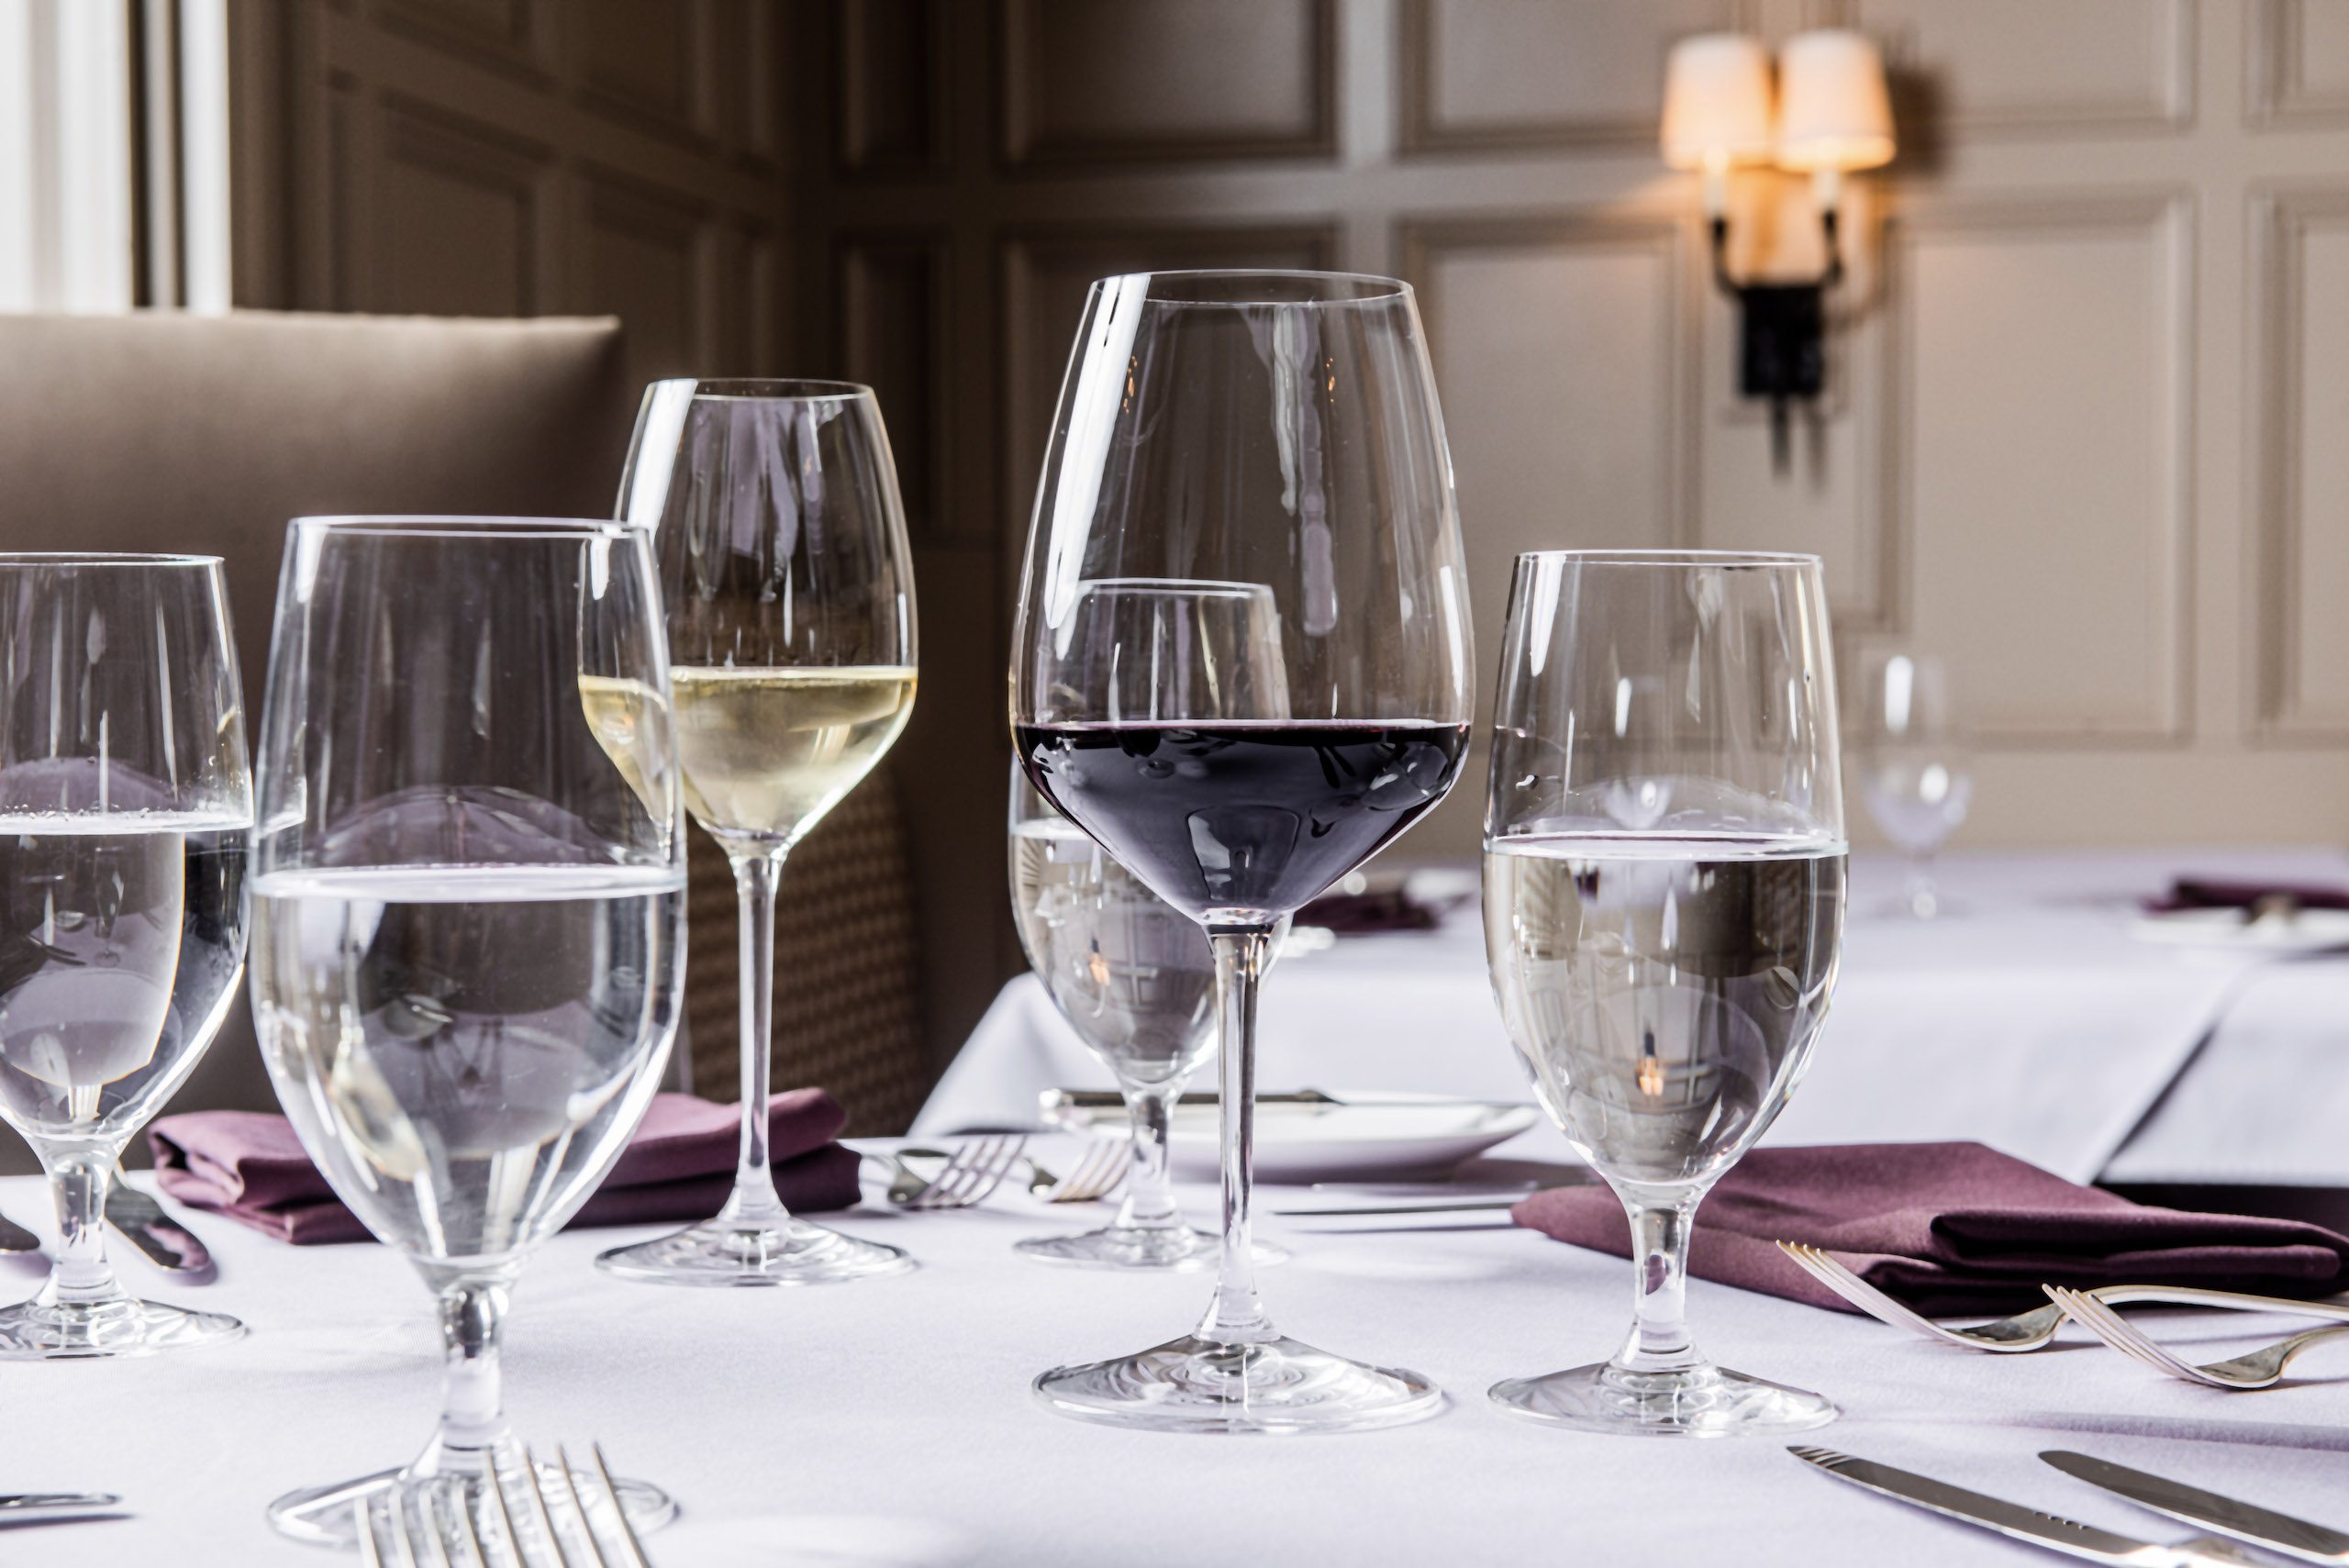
1781 334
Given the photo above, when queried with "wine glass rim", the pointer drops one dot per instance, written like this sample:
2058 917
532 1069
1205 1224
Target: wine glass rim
1191 586
459 526
1384 290
1671 557
776 389
103 557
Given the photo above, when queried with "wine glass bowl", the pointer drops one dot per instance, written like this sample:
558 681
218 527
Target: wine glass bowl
468 909
1663 905
788 588
1241 667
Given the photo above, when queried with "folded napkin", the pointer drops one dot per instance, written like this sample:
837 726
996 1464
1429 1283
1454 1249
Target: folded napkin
1950 1229
2214 892
1363 914
680 1166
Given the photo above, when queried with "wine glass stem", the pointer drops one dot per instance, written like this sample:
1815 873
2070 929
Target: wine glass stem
1659 1341
1236 1316
78 1181
1150 1195
754 1200
473 1407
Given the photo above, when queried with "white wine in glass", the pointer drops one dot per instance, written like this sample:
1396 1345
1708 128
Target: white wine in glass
789 592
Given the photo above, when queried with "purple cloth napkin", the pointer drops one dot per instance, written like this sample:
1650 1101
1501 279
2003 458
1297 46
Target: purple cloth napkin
2214 892
1950 1229
679 1166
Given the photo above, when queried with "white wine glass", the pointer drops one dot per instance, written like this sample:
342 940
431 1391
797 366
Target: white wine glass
789 590
124 804
1241 665
1916 772
1663 908
469 895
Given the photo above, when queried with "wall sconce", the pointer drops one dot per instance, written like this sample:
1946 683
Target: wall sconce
1833 115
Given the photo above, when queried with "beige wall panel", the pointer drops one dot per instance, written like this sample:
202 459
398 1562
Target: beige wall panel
2302 387
2299 60
1489 74
2041 64
1559 362
2043 440
455 219
1167 78
643 265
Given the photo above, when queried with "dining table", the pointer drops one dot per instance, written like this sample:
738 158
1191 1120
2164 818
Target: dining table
890 1420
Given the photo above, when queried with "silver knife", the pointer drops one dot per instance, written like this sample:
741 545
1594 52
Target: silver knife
166 1242
1487 1203
24 1508
2021 1523
2278 1532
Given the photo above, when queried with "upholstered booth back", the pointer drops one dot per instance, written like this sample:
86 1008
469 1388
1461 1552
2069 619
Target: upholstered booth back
156 432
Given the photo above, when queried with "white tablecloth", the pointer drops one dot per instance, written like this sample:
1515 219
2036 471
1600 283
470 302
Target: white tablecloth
2029 1019
889 1421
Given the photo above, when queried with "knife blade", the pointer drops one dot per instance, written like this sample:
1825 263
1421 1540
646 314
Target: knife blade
1407 1208
167 1243
2244 1521
2015 1520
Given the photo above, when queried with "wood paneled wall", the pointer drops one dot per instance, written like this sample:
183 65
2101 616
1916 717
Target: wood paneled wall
2089 429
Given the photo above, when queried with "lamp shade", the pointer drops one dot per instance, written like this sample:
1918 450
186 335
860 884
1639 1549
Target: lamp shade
1717 102
1834 112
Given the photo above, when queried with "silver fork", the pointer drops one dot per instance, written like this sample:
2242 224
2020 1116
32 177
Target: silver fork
419 1540
2028 1330
973 1172
2260 1369
1097 1174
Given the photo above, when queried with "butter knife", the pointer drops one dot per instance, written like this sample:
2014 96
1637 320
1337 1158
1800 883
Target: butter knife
28 1508
167 1243
2021 1523
2244 1521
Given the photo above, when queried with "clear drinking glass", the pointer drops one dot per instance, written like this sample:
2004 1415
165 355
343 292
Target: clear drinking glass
1135 978
468 891
1241 665
1916 774
125 803
790 595
1664 905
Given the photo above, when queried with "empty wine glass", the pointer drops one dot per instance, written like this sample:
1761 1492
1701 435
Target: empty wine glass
125 803
1135 978
1664 906
1915 772
1241 666
469 888
790 595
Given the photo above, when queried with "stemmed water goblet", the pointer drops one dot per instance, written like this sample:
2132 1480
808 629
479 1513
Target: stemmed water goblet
1916 774
1135 978
468 889
124 804
1241 665
1664 907
789 590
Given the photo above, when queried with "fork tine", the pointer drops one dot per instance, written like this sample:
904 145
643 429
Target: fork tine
426 1520
579 1506
466 1534
506 1518
402 1529
363 1516
539 1515
1858 1292
2118 1332
620 1512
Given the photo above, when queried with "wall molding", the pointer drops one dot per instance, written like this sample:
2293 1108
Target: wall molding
1419 129
2276 95
2165 217
2166 106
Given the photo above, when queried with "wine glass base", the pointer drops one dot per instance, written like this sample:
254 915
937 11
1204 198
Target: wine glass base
722 1253
1180 1250
32 1330
327 1516
1193 1386
1706 1401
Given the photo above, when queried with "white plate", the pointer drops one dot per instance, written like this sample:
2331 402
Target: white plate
2307 931
1369 1133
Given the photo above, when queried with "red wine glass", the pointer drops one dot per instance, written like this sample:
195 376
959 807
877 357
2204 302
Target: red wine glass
1243 666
